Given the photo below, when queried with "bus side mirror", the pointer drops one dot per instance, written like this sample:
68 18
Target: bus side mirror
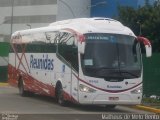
81 44
147 45
81 47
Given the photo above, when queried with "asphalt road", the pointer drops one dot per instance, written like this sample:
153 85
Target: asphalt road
36 107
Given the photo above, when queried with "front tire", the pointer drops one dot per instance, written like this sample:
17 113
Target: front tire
60 96
109 107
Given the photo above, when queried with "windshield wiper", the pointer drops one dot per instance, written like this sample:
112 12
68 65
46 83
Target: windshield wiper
129 73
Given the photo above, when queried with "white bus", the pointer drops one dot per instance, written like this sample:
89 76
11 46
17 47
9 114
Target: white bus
85 60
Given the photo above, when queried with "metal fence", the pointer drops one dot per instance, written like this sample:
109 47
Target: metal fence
151 78
4 50
3 73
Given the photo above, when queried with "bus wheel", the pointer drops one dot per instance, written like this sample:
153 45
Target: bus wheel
110 106
60 96
22 92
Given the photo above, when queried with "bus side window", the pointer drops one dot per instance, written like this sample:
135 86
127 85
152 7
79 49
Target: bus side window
51 36
68 50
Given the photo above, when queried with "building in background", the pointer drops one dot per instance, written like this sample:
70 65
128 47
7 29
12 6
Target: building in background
25 14
110 9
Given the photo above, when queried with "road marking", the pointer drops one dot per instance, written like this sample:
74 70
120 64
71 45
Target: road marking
147 108
3 84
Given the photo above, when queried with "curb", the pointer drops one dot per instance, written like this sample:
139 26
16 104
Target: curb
150 109
3 84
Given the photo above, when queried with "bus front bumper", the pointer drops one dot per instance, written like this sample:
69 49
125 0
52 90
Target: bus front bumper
114 99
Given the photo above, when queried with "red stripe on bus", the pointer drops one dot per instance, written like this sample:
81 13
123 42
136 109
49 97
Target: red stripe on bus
33 85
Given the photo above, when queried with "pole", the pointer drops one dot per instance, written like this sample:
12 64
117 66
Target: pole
140 28
68 7
12 6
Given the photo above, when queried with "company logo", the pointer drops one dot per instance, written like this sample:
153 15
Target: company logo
116 86
44 63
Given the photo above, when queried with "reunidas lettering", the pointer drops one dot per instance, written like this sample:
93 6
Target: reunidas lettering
43 63
109 86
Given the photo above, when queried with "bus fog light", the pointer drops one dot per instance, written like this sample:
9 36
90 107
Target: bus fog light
137 91
84 88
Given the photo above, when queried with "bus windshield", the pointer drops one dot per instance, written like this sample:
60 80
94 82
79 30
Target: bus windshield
111 56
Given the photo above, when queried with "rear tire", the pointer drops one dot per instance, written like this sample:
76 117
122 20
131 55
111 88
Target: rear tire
22 92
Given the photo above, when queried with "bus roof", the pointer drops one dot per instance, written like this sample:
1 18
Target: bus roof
83 25
34 30
95 25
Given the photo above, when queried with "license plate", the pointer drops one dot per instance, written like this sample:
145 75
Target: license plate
113 98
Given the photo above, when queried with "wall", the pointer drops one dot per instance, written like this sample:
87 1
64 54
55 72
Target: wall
36 13
31 14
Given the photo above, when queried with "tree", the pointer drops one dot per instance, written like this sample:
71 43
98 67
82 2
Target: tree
145 19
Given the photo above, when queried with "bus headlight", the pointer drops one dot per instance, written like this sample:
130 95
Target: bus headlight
137 91
84 88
